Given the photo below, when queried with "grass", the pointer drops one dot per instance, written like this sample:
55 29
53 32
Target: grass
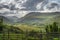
29 28
20 37
23 36
14 36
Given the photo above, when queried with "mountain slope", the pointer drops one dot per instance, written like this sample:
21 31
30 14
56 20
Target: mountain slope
9 19
38 18
34 18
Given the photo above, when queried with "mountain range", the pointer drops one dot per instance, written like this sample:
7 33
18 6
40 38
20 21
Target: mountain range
34 18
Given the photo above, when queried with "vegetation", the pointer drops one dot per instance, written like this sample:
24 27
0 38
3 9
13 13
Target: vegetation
52 28
26 32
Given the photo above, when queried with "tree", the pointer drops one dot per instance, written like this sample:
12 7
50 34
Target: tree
52 28
47 29
1 24
33 33
1 20
55 27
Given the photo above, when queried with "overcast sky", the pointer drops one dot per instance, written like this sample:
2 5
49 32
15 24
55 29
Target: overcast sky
20 8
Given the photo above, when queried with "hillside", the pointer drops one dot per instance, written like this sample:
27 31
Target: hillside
37 18
30 26
33 18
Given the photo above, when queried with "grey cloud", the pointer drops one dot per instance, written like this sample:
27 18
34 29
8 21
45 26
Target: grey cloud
53 5
11 7
31 4
49 5
4 6
46 5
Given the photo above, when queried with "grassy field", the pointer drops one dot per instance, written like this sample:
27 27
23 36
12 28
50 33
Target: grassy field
24 32
28 32
29 28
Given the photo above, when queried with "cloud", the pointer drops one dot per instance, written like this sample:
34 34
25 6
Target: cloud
12 4
49 5
4 10
7 13
12 8
31 5
21 14
20 8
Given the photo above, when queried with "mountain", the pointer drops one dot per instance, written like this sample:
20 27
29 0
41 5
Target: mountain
34 18
9 19
37 18
56 19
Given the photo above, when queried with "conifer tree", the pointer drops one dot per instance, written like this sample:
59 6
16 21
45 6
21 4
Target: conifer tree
1 23
51 28
55 27
47 29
